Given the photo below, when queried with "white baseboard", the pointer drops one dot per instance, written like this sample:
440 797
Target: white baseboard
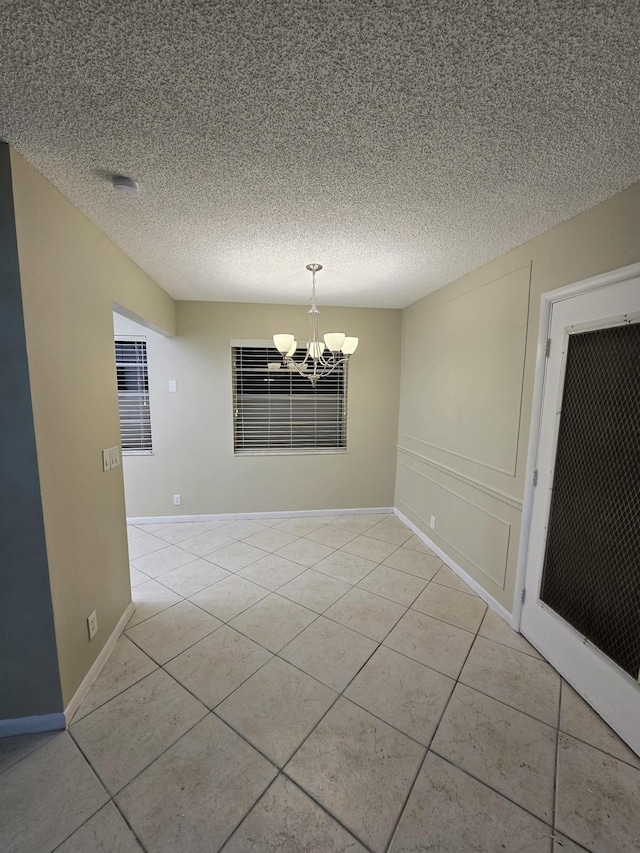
32 725
475 586
237 516
98 663
53 722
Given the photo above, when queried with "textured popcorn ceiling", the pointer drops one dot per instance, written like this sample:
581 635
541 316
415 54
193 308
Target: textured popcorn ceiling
399 143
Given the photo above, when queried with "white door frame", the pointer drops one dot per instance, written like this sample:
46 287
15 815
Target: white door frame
547 302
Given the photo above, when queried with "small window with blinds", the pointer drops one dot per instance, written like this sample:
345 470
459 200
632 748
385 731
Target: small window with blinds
279 411
133 395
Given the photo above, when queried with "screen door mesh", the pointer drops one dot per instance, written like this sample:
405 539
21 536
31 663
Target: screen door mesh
591 574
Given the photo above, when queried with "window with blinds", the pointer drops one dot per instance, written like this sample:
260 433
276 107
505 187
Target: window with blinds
133 395
279 411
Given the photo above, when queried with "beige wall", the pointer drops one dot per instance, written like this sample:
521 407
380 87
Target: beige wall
71 275
468 363
192 429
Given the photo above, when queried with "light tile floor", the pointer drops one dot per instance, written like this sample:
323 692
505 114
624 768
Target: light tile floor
317 684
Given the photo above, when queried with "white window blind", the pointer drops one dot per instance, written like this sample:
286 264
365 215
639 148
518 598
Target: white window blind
133 395
279 411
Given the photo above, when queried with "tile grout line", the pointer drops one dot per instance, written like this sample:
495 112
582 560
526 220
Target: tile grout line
462 769
327 812
110 796
126 820
146 619
602 751
93 814
506 704
427 750
305 793
263 754
308 625
162 665
147 766
208 557
504 796
467 772
330 814
73 721
247 813
122 787
382 720
53 733
556 767
111 801
402 571
86 820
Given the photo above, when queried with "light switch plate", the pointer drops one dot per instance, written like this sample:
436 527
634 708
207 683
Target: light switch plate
114 455
173 386
106 459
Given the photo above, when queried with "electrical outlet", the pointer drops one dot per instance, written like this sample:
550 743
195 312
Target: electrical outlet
176 500
106 459
432 523
92 624
114 456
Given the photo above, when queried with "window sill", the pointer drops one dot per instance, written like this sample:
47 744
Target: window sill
340 452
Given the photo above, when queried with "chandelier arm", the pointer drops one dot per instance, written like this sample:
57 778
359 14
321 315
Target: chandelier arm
326 367
339 363
329 368
326 362
299 368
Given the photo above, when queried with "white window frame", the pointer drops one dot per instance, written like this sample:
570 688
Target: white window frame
146 451
284 451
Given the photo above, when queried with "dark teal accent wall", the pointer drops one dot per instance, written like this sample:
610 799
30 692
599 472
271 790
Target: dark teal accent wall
29 677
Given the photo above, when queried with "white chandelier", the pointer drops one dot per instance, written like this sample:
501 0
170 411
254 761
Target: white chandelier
320 359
